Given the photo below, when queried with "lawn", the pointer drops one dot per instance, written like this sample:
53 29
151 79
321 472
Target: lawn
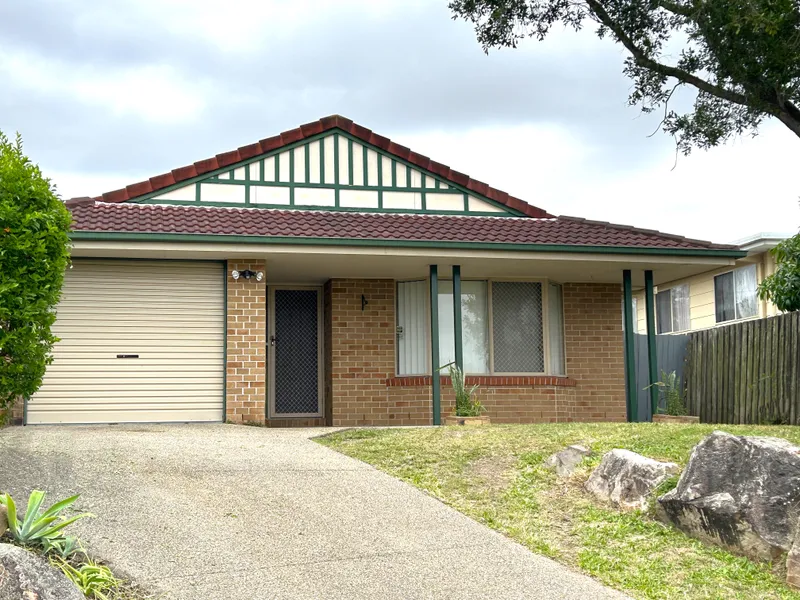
495 475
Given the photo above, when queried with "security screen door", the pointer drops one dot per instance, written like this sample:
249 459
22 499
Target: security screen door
295 351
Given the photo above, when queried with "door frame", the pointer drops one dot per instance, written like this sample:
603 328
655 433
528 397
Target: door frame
271 414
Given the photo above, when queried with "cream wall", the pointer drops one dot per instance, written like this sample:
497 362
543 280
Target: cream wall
702 314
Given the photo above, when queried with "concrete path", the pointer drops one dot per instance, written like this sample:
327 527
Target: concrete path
207 512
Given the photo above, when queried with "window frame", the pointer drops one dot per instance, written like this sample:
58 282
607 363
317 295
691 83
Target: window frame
543 282
688 287
733 278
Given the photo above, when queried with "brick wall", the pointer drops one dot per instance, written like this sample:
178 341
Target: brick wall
362 363
594 349
247 346
361 351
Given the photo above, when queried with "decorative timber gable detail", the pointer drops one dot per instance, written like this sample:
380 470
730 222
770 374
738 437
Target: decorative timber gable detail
333 170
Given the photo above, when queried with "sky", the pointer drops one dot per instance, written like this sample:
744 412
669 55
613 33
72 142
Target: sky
110 93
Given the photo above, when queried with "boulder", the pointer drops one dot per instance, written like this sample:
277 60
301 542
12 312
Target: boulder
627 479
742 493
793 564
567 460
26 576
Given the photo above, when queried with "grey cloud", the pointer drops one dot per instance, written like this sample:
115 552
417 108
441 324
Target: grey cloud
402 74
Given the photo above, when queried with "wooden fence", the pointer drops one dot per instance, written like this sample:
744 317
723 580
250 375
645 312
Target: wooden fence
747 372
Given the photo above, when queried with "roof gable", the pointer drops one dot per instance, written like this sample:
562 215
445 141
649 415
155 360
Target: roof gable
330 164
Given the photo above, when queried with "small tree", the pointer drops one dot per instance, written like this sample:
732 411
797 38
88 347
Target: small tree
782 288
34 252
741 56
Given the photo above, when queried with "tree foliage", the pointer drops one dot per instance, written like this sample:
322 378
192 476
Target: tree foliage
34 252
742 56
782 288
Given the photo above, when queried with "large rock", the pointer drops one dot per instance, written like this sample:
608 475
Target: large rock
567 460
26 576
742 493
793 564
627 479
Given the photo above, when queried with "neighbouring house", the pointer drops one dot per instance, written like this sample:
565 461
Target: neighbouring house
309 279
720 296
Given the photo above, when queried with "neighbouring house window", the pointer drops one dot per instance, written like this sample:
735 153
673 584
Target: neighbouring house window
735 294
672 309
412 328
502 327
555 329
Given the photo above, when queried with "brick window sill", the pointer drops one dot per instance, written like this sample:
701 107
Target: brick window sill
487 381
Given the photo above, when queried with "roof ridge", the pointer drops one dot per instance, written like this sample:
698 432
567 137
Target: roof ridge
672 236
324 124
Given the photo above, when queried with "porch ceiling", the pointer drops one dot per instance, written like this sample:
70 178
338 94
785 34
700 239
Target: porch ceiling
315 265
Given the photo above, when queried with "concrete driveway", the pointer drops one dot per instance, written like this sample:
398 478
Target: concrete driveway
207 512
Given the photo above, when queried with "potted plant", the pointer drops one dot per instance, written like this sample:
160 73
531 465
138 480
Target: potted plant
469 410
675 411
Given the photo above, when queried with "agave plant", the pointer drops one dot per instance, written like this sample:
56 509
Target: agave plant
38 529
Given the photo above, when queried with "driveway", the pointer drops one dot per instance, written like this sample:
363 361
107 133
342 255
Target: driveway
207 512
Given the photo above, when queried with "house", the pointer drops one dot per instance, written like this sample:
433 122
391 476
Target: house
309 278
720 296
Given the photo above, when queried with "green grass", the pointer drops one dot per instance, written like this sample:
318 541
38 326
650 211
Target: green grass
495 475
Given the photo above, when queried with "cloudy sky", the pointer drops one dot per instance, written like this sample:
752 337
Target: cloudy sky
110 93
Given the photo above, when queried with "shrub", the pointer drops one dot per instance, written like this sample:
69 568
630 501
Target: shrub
670 387
96 581
34 252
39 529
466 404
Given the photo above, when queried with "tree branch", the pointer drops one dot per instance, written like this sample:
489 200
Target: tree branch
645 61
673 7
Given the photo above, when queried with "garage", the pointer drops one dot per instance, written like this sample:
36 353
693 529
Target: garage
141 342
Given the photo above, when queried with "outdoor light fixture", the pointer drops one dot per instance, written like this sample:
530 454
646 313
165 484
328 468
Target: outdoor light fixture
247 274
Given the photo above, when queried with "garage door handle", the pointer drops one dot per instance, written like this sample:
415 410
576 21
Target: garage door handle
127 356
272 340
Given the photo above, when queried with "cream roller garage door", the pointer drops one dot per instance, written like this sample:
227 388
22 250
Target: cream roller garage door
141 341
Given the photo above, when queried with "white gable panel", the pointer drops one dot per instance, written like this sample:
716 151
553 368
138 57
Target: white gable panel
239 174
386 165
330 161
269 169
269 195
185 193
300 164
406 200
444 201
219 192
255 171
372 167
401 175
314 197
416 178
478 205
358 165
358 199
283 166
313 158
344 163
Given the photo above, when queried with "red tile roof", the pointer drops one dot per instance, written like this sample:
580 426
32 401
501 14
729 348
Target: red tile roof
305 131
92 216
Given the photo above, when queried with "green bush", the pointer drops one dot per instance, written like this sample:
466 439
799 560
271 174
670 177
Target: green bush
96 581
466 404
34 252
782 288
37 527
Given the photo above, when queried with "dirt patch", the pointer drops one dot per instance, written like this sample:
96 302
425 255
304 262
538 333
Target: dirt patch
494 472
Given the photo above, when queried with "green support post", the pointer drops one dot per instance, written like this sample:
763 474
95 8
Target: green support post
652 351
436 383
457 332
630 366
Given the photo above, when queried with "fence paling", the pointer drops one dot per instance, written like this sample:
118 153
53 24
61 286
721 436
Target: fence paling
745 372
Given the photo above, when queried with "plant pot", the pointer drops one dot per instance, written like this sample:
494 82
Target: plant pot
467 421
686 419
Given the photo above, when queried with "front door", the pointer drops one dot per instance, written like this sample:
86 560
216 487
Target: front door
295 323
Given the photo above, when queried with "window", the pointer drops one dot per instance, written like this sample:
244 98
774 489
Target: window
735 294
635 308
503 327
672 309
